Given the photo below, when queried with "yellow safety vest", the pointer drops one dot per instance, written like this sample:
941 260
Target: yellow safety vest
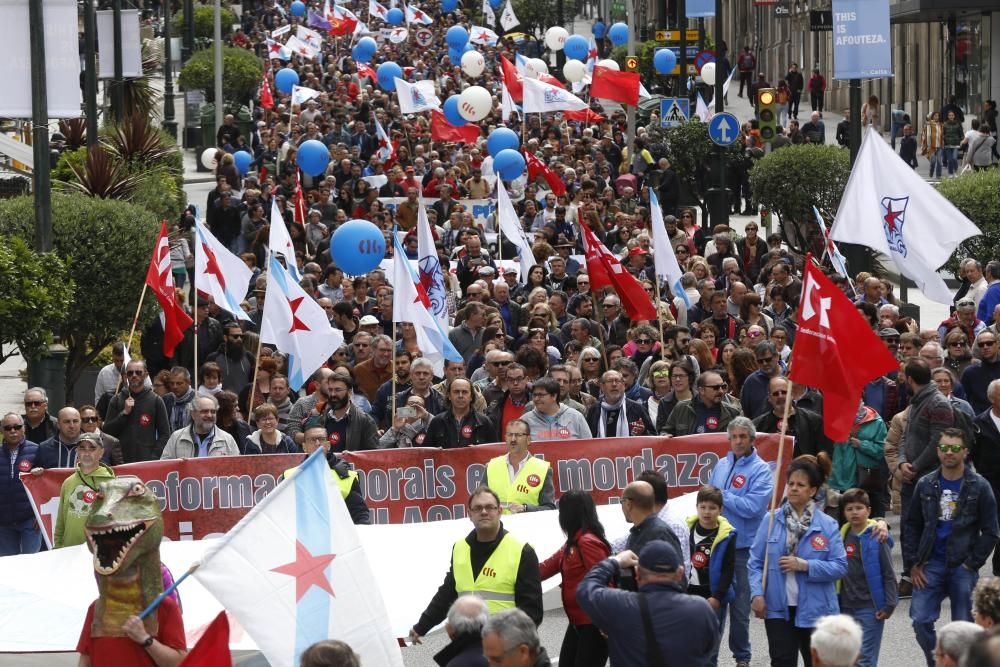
495 583
344 483
526 487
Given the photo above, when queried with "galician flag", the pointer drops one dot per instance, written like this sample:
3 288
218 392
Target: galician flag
301 94
279 241
293 572
411 304
511 227
664 259
278 50
431 273
385 149
376 9
417 15
416 97
219 273
483 36
297 325
541 97
892 210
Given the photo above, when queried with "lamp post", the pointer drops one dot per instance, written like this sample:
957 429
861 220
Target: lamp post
118 96
169 123
187 47
90 73
630 113
719 195
42 177
218 63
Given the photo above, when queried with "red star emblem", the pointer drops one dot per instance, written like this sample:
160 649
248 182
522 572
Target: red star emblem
419 15
483 36
592 54
422 296
890 218
275 47
308 571
212 266
297 324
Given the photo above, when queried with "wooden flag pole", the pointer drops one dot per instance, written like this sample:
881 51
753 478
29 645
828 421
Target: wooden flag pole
777 474
131 333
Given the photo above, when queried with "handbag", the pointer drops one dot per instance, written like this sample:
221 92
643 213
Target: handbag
871 480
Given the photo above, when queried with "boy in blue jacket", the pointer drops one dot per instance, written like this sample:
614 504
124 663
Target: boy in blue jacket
713 554
868 591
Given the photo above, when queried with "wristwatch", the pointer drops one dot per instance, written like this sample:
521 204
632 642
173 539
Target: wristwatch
149 641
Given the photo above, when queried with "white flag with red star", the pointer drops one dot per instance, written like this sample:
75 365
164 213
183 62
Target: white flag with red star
297 325
385 149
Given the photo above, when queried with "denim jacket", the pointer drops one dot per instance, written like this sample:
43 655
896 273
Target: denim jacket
974 532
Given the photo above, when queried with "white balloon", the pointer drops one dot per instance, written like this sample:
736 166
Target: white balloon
708 73
539 65
208 158
555 37
574 71
475 103
473 63
610 64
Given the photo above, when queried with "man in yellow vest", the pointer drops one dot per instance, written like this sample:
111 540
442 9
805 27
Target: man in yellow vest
522 481
489 562
347 480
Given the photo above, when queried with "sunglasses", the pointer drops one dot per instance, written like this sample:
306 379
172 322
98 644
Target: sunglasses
33 404
13 427
754 334
987 343
89 420
644 341
661 374
953 449
717 387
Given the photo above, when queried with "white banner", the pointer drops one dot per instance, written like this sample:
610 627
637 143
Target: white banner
62 59
131 47
481 208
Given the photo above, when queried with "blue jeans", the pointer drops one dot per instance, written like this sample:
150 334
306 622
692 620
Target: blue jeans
896 130
871 641
739 611
20 538
936 161
954 582
951 159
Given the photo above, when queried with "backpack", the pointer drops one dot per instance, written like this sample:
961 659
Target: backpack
965 423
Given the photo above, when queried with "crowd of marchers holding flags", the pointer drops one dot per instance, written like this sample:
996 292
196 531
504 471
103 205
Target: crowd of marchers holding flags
586 304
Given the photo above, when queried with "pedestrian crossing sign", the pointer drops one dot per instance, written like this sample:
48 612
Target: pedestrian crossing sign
674 111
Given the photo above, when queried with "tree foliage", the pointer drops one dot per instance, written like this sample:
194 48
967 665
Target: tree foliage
241 74
106 245
977 195
204 22
36 293
793 179
692 155
537 17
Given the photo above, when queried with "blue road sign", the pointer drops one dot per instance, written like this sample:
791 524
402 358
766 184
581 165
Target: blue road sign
674 111
723 128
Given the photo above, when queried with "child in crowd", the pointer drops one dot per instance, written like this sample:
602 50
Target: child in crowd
211 379
713 555
868 592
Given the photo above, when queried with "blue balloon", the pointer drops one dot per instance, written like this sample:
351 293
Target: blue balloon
457 37
394 16
450 109
509 164
576 47
664 61
449 5
367 47
500 139
285 79
357 247
495 4
455 56
298 8
618 33
599 30
386 74
313 157
242 160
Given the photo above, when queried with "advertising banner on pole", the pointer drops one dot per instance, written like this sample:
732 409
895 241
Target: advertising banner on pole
861 40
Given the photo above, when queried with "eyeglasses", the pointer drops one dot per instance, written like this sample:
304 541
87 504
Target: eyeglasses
661 374
681 251
89 420
476 509
644 341
608 305
765 360
33 404
517 435
953 449
717 387
13 427
501 363
239 335
516 379
135 373
780 392
987 343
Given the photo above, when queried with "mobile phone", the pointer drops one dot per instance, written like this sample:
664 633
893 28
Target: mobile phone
406 411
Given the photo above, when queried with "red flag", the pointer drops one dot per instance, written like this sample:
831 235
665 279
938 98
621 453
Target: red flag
299 200
160 279
364 71
835 351
548 78
604 269
266 98
586 115
442 130
212 648
608 84
512 80
536 167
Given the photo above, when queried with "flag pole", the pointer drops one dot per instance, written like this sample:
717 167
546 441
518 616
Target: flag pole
777 474
253 385
395 232
659 320
131 333
162 596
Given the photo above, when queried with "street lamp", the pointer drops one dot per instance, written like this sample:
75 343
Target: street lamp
169 124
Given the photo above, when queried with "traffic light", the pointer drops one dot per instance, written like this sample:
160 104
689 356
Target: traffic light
767 114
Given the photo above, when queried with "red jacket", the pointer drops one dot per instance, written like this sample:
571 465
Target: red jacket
573 564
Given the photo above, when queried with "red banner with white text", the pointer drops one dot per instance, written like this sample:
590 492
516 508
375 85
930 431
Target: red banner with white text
206 497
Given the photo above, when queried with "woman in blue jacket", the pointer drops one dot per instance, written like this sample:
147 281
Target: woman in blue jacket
794 570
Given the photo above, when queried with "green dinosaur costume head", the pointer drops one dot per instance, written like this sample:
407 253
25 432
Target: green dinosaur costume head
123 531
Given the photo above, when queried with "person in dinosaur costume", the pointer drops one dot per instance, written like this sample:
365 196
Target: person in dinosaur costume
123 532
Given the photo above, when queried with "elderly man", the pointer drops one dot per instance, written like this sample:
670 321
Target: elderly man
835 642
176 400
747 484
977 377
510 639
373 373
138 417
512 580
617 416
39 425
201 438
19 532
804 425
953 642
973 272
466 618
522 481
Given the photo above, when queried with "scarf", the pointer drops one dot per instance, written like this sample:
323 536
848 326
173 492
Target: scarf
622 428
796 526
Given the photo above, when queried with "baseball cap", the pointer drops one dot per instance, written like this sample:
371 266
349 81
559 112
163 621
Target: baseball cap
660 556
368 320
409 170
888 332
510 270
637 251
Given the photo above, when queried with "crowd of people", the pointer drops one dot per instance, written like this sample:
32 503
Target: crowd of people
547 357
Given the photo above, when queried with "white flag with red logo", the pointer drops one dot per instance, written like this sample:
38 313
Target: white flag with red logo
385 150
160 279
219 273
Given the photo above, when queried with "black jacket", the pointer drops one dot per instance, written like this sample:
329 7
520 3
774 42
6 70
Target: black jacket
465 650
635 412
442 431
527 586
985 451
144 431
209 340
806 426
